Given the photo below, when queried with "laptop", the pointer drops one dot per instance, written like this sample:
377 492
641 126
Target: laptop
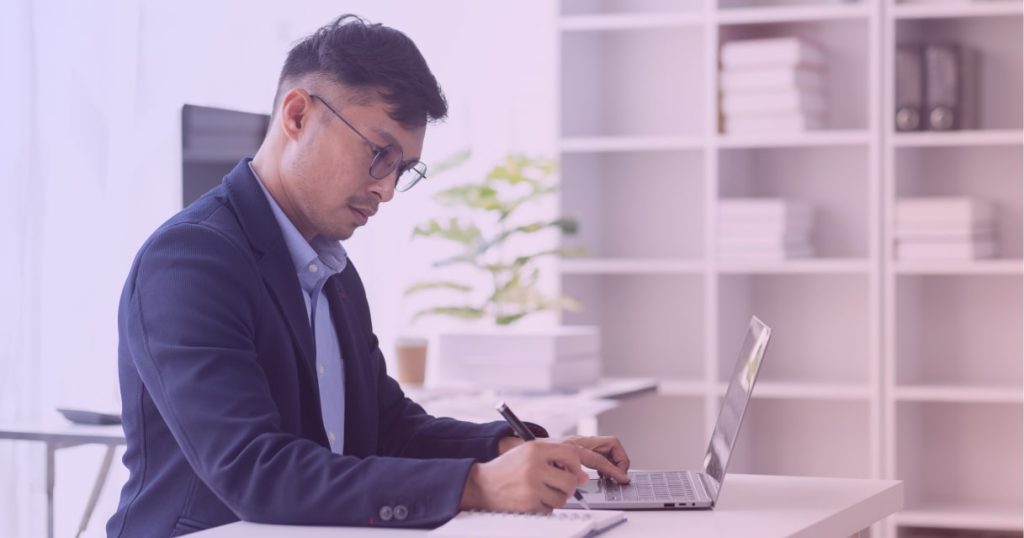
689 490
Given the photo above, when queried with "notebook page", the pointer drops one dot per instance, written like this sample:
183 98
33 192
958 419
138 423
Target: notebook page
559 524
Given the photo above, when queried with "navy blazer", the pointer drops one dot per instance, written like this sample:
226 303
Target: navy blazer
220 400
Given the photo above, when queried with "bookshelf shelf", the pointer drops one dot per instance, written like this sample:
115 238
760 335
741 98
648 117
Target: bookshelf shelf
965 394
978 267
1002 137
807 391
810 139
797 267
958 11
791 14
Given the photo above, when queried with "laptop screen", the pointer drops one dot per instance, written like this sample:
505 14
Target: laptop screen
723 439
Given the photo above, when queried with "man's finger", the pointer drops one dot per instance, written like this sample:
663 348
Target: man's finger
559 480
567 457
554 497
595 460
612 449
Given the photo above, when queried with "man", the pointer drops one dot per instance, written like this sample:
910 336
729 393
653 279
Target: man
252 384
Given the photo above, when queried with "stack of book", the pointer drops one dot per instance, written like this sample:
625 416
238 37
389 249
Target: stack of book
944 228
764 229
772 85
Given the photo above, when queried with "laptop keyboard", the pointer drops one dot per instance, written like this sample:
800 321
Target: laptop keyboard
652 486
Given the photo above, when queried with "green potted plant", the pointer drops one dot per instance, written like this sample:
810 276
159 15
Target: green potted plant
491 239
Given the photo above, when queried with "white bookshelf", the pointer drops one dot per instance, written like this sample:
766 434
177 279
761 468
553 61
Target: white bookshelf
953 359
873 359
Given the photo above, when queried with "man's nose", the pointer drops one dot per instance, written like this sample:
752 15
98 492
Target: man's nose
384 188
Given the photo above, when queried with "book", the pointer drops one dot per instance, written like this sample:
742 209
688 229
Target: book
945 250
945 231
514 344
773 79
772 124
792 224
559 524
942 210
771 52
795 242
761 208
949 90
909 87
560 358
772 103
772 254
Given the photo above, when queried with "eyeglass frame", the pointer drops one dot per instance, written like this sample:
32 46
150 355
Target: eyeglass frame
378 151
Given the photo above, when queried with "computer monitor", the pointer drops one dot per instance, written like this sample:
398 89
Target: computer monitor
213 140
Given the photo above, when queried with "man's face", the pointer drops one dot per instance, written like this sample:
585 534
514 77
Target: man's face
325 169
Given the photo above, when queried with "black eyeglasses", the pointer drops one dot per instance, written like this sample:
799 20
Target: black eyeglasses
386 159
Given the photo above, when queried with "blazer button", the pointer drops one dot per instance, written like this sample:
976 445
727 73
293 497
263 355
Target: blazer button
401 512
385 513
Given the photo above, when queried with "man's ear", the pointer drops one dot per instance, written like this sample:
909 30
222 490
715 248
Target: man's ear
294 113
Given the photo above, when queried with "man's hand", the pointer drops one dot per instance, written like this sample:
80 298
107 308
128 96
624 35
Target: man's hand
538 476
603 453
508 443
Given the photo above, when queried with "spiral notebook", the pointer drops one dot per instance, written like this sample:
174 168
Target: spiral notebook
558 524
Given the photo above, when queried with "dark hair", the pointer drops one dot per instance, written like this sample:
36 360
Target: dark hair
366 56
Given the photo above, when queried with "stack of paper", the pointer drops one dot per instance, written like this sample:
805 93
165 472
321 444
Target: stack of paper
559 358
764 229
944 228
772 85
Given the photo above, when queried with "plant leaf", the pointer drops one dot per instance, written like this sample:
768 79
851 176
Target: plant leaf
508 319
455 260
467 235
435 285
473 196
450 162
463 312
563 224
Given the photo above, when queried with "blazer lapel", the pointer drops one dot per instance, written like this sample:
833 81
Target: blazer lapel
360 422
274 262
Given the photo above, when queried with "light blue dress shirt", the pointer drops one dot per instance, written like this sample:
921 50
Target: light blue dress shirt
315 262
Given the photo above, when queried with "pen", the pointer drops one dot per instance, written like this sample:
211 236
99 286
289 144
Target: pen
525 434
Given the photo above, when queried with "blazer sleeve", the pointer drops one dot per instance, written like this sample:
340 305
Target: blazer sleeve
407 430
190 315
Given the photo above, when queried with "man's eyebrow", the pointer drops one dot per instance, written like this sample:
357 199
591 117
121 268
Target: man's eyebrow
390 140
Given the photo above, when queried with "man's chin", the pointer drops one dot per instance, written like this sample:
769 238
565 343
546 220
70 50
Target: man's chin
340 234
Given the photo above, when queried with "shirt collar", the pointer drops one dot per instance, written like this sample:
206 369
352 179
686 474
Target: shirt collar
331 253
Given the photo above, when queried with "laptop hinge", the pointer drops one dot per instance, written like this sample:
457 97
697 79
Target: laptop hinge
707 488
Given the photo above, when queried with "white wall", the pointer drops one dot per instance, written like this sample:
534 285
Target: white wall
107 83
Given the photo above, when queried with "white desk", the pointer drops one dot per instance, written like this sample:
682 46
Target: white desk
57 434
751 505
